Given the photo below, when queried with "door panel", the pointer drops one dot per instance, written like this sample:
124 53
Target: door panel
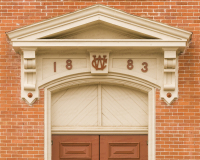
75 147
75 107
87 147
99 106
124 107
127 147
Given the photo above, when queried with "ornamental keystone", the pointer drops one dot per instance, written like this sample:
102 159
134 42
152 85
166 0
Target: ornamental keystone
99 61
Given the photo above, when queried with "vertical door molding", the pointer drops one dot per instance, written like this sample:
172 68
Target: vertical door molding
151 125
47 124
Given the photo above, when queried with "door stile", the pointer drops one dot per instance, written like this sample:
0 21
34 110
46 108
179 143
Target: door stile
99 147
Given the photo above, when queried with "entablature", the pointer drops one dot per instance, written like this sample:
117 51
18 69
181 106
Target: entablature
99 44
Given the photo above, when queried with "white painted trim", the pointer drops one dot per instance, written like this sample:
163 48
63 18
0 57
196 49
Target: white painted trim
28 73
151 125
69 26
47 125
130 83
98 10
100 43
99 130
166 37
110 79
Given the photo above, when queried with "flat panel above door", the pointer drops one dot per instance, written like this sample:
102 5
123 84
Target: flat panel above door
99 109
75 147
124 107
124 147
75 107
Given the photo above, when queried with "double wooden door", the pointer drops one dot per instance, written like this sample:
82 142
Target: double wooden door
99 147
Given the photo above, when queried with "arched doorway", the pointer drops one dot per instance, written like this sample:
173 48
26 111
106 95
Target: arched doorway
99 107
83 93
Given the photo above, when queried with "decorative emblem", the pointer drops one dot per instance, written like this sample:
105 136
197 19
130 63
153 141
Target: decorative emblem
99 63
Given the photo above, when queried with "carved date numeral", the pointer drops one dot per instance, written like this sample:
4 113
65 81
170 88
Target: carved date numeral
130 64
145 69
54 66
69 64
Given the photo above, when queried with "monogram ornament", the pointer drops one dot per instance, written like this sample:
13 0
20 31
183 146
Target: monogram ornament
99 63
99 60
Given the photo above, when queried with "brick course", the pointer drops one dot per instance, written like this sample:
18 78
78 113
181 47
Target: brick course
177 125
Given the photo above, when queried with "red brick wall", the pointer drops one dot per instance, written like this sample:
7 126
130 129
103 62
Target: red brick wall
177 125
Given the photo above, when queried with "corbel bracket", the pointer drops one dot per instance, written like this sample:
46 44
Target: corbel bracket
169 90
29 91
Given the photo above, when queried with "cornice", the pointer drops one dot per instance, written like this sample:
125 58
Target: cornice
99 10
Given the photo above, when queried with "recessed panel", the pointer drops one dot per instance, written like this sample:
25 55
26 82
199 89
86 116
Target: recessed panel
143 66
124 150
53 66
75 147
123 147
75 150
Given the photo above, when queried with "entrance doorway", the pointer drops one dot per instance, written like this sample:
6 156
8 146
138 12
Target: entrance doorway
99 147
99 122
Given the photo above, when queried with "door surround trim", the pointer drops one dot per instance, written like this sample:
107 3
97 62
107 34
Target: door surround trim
111 79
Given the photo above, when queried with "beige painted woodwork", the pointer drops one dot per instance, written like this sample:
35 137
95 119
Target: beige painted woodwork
46 46
28 75
99 105
48 65
123 107
96 29
97 66
75 107
101 31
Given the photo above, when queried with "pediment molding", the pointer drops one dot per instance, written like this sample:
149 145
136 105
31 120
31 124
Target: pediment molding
94 14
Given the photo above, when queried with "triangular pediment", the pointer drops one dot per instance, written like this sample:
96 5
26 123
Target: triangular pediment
98 22
100 31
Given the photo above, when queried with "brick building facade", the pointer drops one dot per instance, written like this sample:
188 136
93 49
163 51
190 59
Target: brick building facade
177 124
